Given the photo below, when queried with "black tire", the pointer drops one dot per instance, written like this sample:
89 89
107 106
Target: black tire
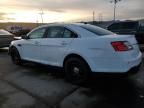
76 70
15 56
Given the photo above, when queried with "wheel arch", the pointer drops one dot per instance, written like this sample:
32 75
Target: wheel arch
11 48
77 56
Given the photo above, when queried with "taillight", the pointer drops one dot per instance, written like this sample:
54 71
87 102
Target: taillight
121 46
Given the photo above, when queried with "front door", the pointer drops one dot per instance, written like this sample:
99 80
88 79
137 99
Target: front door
31 46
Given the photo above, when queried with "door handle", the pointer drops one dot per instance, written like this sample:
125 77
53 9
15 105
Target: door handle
19 45
64 43
36 42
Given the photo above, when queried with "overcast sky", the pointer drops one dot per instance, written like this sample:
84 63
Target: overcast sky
68 10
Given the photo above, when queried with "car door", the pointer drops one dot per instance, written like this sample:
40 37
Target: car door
55 45
31 47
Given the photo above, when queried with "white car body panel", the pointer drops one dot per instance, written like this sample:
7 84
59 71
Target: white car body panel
95 50
54 50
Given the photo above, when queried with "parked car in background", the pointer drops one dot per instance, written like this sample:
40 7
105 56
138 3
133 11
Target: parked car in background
129 27
5 38
13 29
22 32
18 30
78 48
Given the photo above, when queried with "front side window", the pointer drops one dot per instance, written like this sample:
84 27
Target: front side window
39 33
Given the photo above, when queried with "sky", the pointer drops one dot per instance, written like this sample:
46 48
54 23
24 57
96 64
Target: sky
68 10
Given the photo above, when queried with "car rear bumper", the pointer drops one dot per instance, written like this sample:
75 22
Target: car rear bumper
115 65
130 72
134 69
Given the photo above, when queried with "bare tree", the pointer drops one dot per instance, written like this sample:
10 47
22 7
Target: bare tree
115 3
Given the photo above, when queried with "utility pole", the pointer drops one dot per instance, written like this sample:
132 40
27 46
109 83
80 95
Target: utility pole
93 17
100 17
41 14
115 3
37 22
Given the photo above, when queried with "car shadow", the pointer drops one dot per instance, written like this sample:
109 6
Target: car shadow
2 50
117 92
43 70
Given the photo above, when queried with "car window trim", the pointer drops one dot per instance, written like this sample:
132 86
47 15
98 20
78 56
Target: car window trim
64 28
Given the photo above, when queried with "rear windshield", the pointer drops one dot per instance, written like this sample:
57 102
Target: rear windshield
96 30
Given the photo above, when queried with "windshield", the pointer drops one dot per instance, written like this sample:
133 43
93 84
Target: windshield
96 30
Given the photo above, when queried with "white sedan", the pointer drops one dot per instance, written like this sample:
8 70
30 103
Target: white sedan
78 48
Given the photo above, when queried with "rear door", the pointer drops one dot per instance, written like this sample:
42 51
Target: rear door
55 45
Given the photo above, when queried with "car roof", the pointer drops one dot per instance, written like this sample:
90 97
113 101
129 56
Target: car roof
74 27
62 24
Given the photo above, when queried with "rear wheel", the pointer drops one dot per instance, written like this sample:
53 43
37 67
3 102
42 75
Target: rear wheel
76 70
16 59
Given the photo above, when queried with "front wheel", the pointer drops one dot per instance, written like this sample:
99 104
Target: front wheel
76 70
16 59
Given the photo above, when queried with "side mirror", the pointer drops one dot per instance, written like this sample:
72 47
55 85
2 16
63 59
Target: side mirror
24 37
17 38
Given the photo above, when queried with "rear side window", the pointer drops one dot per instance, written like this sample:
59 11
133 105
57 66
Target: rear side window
69 34
96 30
55 32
